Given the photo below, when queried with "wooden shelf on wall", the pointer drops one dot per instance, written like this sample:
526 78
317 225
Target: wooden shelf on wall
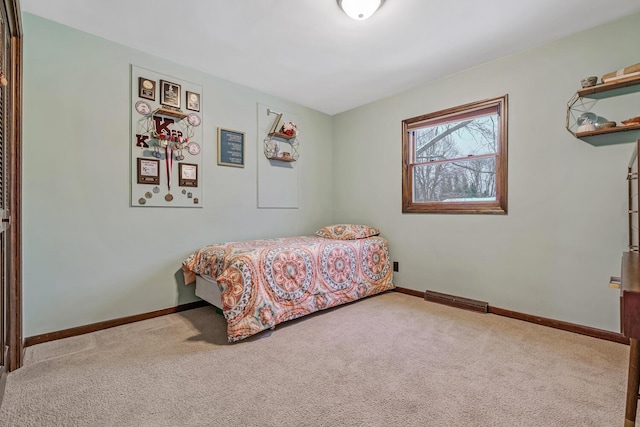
168 112
275 138
282 135
283 159
610 136
606 90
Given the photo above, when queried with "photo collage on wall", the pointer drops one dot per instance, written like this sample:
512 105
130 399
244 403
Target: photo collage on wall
166 137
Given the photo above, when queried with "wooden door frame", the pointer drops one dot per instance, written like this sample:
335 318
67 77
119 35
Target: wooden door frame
14 145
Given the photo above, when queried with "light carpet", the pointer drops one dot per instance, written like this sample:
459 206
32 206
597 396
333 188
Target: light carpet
388 360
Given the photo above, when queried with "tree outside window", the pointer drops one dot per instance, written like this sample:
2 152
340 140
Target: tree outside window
455 160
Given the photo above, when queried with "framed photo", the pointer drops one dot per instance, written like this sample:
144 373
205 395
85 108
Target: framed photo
230 148
188 174
147 88
193 101
170 94
148 171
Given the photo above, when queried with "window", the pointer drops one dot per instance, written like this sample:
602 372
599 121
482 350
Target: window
455 160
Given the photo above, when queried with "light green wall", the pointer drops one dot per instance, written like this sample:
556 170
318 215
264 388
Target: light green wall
88 256
553 254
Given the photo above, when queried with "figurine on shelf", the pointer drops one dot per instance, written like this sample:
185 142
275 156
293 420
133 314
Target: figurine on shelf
587 122
632 121
289 129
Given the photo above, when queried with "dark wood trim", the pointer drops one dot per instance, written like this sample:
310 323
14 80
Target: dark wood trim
3 382
499 206
15 208
633 381
15 203
559 324
80 330
410 292
4 371
543 321
13 144
13 17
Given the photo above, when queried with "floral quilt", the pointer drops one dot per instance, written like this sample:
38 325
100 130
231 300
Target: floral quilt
267 282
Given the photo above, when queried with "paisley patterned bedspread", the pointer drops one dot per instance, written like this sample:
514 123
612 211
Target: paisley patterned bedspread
267 282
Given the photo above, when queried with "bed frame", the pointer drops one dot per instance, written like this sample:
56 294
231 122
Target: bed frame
207 288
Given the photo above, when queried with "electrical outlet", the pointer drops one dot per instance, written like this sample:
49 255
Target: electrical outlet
395 265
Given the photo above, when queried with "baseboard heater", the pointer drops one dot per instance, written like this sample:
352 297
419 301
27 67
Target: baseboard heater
454 301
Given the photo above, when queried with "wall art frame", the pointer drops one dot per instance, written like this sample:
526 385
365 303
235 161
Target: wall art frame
231 144
147 88
170 94
188 174
163 136
192 101
148 171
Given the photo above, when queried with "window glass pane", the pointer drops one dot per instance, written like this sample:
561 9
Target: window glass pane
471 136
456 181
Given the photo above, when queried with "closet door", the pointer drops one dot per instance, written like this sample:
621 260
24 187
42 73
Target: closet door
4 294
4 214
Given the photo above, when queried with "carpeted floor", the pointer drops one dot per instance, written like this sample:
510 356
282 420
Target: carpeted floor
389 360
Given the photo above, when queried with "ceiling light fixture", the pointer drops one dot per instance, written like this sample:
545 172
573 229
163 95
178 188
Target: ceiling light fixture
360 9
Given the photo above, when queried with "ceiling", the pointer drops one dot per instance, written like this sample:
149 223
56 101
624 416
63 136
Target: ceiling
310 52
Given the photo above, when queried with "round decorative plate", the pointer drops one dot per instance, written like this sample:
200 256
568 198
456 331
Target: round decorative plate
193 148
143 108
194 120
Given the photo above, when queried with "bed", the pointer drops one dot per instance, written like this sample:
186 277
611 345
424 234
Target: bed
260 283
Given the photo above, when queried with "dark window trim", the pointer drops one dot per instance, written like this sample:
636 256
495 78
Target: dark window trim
499 206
